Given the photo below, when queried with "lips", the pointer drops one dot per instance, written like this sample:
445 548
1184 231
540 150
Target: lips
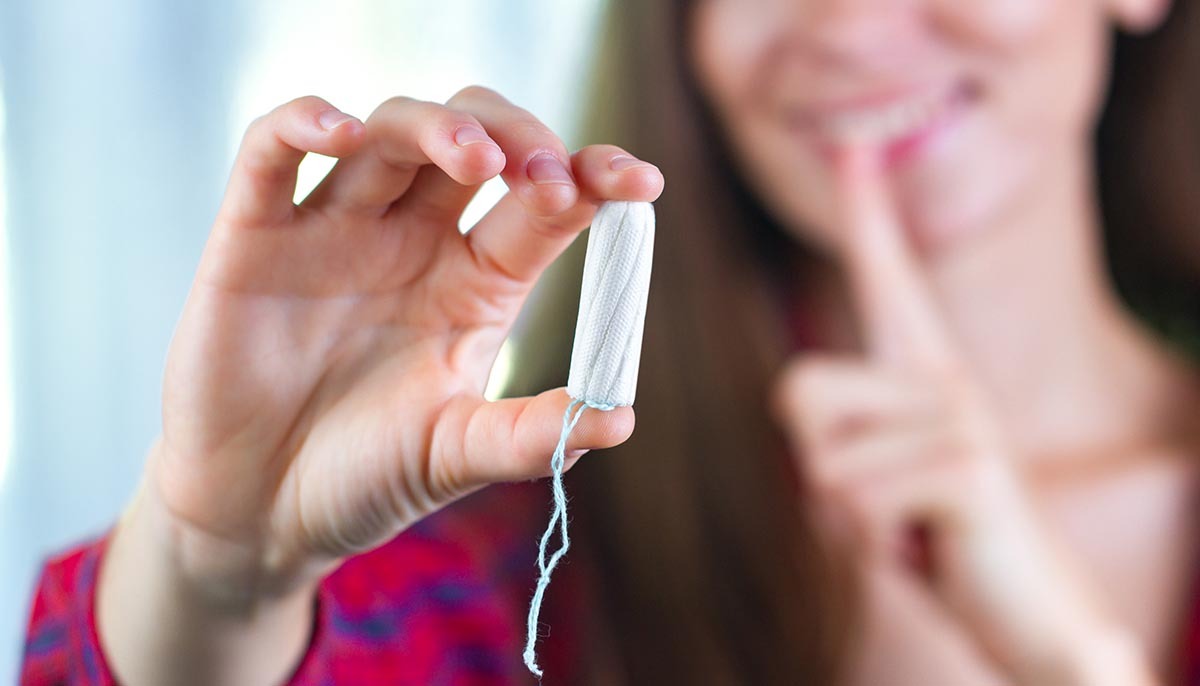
897 123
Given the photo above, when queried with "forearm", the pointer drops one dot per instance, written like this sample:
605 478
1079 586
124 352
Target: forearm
158 626
1089 646
1101 657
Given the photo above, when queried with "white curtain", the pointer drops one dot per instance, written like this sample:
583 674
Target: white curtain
120 121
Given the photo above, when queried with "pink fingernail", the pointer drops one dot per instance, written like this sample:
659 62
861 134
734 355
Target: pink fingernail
331 119
576 454
623 162
545 168
468 135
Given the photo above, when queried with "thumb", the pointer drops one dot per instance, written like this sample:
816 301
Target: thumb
478 442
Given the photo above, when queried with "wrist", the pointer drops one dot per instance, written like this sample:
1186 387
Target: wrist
170 609
219 548
219 575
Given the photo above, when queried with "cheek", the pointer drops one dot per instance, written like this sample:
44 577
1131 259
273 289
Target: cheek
1028 49
1042 67
1000 24
792 181
725 43
729 39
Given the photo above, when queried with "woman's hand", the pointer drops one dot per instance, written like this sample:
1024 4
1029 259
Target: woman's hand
902 449
324 388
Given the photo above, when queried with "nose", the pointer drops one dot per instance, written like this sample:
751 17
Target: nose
866 33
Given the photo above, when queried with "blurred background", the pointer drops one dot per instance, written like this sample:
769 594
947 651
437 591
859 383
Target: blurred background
118 123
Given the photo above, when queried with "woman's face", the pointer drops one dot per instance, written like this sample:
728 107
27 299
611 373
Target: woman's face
974 104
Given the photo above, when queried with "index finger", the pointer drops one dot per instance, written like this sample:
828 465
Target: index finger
544 212
900 319
263 180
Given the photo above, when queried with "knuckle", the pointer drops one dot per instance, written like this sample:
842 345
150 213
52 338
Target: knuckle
422 117
259 169
529 128
397 101
261 135
474 93
304 103
391 106
553 227
445 121
268 124
262 125
601 151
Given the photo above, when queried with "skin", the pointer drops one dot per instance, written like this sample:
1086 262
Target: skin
324 388
1027 426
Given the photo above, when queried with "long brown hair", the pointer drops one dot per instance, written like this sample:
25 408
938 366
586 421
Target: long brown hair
707 568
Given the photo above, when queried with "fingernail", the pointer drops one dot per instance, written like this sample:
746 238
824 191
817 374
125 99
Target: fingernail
469 134
331 119
623 162
545 168
576 454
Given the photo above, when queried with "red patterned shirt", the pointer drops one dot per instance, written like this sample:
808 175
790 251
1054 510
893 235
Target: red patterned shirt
442 604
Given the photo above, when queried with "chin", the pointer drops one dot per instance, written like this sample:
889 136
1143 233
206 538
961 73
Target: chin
951 200
942 217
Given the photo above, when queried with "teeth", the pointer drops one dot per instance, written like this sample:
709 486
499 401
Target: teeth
880 124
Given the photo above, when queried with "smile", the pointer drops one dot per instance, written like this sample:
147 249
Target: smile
899 125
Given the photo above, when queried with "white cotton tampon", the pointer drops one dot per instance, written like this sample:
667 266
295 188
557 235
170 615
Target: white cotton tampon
612 304
604 359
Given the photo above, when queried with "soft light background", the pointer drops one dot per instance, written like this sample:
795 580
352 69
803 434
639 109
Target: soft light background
119 121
